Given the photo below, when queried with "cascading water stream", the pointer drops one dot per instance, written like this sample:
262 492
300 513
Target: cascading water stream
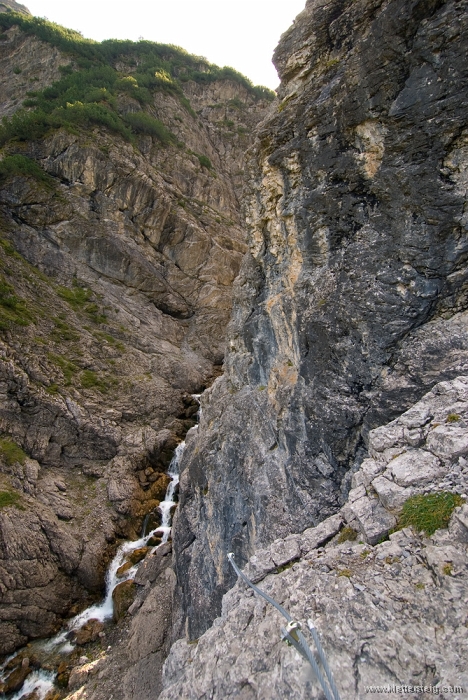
42 682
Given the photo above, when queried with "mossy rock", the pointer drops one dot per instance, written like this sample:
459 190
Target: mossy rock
122 570
123 596
138 555
154 541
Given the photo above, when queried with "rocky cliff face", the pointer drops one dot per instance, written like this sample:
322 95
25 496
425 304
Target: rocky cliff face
390 614
350 303
11 5
117 258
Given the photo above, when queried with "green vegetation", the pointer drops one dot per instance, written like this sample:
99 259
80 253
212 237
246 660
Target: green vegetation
205 162
165 61
237 103
52 389
11 453
453 418
12 309
347 534
25 167
447 569
285 567
100 335
69 369
87 96
10 498
427 513
63 333
345 572
8 248
143 123
91 380
79 299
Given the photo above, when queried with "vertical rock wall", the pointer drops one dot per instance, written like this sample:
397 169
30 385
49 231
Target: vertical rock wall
351 301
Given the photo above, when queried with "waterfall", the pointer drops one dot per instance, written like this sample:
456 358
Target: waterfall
103 611
41 682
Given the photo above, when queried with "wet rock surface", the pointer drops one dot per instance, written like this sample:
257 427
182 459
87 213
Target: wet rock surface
122 598
138 645
351 302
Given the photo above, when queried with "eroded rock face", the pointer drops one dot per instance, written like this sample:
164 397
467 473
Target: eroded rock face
7 5
25 64
369 601
117 272
350 304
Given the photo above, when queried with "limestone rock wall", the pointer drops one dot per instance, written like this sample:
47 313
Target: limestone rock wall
25 64
389 614
351 302
116 272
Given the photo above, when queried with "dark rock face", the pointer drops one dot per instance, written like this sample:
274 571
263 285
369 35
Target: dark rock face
351 302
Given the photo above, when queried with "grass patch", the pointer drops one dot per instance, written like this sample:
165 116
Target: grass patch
69 369
347 534
91 380
100 335
285 567
10 498
79 299
13 310
345 572
204 161
8 248
430 512
18 165
52 389
143 123
11 453
62 332
453 418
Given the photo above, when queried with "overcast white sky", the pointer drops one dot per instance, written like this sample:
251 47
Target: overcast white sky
238 33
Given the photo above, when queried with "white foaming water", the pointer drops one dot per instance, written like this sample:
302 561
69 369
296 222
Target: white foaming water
39 682
104 611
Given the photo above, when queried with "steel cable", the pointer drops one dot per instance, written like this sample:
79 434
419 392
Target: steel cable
293 635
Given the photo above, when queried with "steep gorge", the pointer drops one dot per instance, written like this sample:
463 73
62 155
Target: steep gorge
349 309
119 246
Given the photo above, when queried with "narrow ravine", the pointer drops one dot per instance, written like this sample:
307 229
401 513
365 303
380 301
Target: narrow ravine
39 683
